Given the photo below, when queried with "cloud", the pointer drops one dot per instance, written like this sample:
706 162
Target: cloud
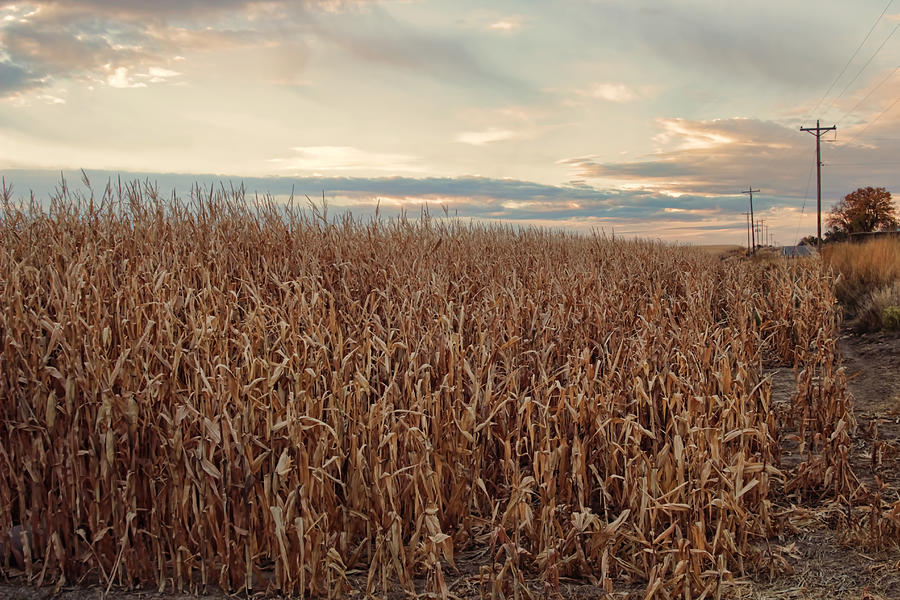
142 8
123 77
382 40
612 92
506 25
635 212
120 79
160 74
346 158
488 136
92 40
692 135
475 196
15 79
57 43
747 44
699 163
710 157
133 43
616 92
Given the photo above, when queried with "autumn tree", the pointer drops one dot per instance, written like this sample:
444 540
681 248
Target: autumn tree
866 209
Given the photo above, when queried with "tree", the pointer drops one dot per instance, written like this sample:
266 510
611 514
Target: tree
809 240
866 209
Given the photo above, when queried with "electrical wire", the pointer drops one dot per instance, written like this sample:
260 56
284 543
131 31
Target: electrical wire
872 122
861 164
858 48
805 198
863 68
872 91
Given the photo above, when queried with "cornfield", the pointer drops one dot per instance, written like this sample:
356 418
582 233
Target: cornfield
227 392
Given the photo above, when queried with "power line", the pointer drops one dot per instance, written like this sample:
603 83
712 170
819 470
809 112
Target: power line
863 68
858 48
870 123
872 91
861 164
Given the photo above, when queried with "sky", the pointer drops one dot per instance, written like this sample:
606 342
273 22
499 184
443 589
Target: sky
634 117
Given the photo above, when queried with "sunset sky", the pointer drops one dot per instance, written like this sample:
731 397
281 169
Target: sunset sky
646 118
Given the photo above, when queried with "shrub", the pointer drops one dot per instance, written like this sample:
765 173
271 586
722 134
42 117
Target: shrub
871 315
867 276
890 317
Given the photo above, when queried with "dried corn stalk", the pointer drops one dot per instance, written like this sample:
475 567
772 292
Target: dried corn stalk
232 394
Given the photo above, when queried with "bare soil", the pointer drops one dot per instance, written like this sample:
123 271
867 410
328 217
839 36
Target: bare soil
819 559
827 561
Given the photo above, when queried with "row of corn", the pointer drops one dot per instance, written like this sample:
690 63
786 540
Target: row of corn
229 392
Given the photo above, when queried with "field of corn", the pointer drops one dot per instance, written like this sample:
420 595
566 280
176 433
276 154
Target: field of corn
224 392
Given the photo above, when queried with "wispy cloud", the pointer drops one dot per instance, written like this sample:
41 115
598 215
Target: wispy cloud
506 25
123 77
346 158
383 40
14 78
612 92
92 40
478 197
136 43
694 38
57 43
721 156
683 134
159 74
120 78
639 212
488 136
709 157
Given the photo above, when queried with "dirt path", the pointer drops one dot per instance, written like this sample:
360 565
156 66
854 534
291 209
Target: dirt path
873 364
825 562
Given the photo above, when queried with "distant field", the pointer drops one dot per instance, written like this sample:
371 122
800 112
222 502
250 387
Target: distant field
201 393
719 249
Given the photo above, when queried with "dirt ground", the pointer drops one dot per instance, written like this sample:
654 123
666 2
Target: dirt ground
826 562
822 561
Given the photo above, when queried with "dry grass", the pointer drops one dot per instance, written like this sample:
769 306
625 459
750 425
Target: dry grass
866 270
720 249
222 392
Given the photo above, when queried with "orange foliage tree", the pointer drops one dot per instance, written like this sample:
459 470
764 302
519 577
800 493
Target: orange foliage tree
866 209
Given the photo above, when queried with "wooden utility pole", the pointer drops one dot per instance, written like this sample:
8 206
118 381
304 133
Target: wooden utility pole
818 131
747 214
750 191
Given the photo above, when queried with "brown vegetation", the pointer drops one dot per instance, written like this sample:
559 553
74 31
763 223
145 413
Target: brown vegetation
255 398
868 280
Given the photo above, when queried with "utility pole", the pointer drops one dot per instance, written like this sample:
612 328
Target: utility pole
818 131
747 214
750 191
